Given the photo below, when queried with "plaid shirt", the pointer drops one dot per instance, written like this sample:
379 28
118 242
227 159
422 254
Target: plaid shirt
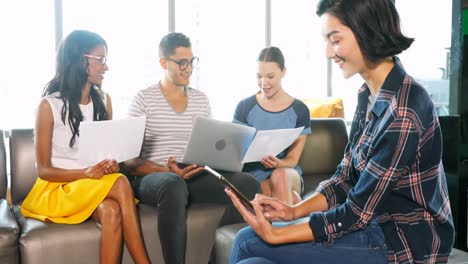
392 172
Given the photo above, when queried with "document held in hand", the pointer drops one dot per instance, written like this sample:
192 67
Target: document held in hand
270 142
111 139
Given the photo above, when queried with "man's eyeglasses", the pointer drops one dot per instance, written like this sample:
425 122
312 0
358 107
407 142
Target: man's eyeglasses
101 59
183 64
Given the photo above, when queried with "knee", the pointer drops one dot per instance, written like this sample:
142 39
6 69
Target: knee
244 235
110 214
279 175
174 187
123 187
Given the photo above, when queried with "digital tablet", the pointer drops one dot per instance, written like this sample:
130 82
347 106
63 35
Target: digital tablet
228 184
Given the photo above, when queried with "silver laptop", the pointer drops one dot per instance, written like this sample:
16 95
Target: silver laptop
218 144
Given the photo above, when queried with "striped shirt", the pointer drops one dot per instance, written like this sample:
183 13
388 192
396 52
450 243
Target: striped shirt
167 131
392 172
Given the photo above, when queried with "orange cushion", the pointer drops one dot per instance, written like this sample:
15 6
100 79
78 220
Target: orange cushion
325 107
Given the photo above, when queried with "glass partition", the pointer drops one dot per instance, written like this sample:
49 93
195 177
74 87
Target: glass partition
132 30
227 37
27 53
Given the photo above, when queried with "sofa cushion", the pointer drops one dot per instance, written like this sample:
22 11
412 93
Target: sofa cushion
22 163
324 147
9 232
47 242
224 238
311 182
325 107
9 229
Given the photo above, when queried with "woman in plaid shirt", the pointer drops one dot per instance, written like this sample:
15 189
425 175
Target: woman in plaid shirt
388 200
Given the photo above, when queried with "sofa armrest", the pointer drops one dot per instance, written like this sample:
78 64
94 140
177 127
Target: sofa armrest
9 233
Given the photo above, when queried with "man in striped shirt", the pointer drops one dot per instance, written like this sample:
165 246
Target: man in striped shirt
170 106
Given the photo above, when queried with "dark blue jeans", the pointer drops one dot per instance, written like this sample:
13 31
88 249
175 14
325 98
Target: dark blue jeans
363 246
172 194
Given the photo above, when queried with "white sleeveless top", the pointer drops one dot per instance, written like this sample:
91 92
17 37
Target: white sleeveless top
62 155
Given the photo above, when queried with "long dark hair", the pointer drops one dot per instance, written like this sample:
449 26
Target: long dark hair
71 76
375 23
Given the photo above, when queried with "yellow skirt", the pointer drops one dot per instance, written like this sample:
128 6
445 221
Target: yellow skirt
67 202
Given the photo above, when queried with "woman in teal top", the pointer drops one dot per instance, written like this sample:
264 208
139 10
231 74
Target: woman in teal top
273 108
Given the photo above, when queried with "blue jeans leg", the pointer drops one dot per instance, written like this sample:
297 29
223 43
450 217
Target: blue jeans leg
363 246
256 260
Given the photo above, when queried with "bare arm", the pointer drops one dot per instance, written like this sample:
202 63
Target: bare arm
296 233
109 107
315 203
292 157
294 152
43 146
274 209
141 167
300 232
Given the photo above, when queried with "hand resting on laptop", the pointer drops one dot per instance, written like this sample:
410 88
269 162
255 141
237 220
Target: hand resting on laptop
186 171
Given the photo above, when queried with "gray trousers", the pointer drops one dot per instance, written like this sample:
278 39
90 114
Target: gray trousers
172 194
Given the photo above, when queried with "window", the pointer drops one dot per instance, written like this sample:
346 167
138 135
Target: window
427 60
297 32
346 89
132 30
227 41
28 57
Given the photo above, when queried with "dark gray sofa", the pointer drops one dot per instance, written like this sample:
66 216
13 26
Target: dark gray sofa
41 242
323 151
9 229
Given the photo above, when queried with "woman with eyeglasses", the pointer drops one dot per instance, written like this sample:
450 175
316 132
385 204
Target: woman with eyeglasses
273 108
67 192
388 200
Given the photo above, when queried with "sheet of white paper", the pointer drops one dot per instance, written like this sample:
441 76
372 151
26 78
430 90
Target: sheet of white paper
270 142
115 139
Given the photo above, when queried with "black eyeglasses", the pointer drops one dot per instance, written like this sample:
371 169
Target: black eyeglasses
183 64
102 59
